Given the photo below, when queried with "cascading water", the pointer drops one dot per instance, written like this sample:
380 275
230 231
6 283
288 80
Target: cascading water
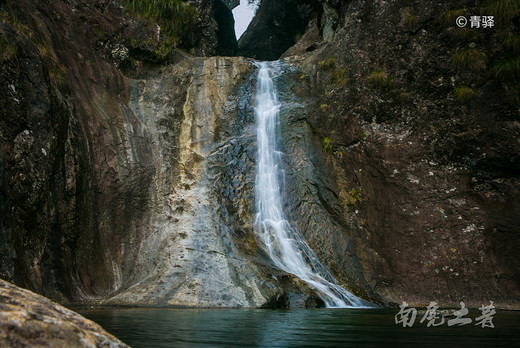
285 246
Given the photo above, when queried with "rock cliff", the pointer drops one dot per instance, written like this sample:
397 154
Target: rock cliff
409 183
127 167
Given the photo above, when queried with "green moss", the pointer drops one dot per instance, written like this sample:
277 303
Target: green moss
379 79
58 75
464 93
328 64
251 243
7 51
503 10
327 144
16 24
469 59
312 129
508 70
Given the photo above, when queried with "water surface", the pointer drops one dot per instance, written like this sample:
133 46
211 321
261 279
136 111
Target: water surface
295 328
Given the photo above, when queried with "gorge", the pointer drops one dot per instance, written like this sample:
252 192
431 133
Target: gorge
132 169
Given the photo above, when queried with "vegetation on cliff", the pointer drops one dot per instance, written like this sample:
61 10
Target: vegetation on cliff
174 17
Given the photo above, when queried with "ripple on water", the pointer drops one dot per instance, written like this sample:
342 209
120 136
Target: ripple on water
293 328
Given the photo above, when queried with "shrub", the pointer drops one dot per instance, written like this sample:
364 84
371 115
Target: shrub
173 16
464 93
469 59
379 79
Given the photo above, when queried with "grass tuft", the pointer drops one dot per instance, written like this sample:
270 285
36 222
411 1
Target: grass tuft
469 59
503 10
512 44
327 144
508 70
338 77
447 18
403 97
411 20
379 79
328 64
464 94
354 196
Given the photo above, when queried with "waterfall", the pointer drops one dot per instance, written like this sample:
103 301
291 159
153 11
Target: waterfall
285 246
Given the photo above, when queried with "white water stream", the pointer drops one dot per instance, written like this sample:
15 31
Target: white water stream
286 247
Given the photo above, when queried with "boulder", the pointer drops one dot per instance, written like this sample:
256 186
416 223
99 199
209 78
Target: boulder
31 320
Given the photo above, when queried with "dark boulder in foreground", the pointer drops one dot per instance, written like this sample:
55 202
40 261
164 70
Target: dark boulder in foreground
31 320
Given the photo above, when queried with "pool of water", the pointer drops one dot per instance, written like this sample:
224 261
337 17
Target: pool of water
295 328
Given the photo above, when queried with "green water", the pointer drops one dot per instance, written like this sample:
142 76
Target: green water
295 328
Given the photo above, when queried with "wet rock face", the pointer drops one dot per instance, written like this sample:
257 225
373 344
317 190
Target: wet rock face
311 195
199 248
30 320
418 197
187 254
